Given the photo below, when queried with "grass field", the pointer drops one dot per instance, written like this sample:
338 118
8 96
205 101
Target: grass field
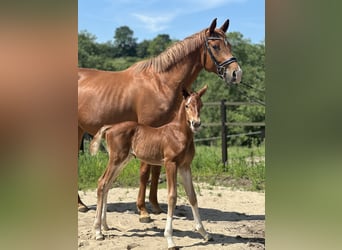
246 168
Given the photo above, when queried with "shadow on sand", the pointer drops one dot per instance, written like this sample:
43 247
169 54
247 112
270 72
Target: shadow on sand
207 214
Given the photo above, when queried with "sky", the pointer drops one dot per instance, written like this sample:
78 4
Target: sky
177 18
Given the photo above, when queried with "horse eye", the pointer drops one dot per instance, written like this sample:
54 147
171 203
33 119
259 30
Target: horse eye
187 106
216 47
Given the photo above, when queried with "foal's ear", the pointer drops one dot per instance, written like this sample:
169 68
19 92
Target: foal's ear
185 93
202 90
212 26
225 26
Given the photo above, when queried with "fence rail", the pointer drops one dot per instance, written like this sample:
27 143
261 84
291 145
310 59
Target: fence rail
224 124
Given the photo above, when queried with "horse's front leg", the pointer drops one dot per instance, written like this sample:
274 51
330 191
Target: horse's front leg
81 206
186 176
171 175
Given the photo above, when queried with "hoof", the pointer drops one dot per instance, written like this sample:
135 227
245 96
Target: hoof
145 219
157 211
173 248
83 209
208 237
99 237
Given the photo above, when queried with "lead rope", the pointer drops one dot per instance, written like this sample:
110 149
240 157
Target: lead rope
251 99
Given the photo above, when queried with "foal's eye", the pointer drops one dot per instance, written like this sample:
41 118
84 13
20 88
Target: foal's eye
186 106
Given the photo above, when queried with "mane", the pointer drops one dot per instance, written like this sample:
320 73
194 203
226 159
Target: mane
173 54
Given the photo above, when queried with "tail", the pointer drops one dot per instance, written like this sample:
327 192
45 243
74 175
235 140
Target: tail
96 141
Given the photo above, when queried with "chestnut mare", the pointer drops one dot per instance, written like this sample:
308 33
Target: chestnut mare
149 92
171 145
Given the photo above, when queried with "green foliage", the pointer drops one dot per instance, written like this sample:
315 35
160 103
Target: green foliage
92 167
142 49
159 44
124 42
242 172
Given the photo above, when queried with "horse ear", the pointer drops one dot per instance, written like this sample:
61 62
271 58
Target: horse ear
185 93
212 26
225 26
203 90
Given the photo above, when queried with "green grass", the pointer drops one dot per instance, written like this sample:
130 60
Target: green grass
206 167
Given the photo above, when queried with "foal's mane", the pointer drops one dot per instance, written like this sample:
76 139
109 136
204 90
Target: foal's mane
173 54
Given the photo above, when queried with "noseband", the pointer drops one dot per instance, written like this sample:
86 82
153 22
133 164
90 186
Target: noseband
221 67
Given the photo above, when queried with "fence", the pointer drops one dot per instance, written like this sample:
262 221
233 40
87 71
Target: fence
224 126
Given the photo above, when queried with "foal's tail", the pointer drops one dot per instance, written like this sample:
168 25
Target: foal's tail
96 141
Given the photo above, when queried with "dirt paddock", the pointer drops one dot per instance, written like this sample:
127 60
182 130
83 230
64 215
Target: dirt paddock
236 220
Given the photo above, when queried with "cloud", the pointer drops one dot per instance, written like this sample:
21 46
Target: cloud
191 6
155 23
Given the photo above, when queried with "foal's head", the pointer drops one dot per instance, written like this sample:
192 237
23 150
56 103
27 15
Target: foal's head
193 105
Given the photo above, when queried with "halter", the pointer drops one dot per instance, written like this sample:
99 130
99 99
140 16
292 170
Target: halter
220 67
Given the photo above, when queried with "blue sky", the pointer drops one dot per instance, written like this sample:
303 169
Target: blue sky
177 18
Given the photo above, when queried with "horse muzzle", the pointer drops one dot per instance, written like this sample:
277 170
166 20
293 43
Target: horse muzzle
233 77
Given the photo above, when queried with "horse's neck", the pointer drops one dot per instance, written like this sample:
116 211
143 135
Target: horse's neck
184 72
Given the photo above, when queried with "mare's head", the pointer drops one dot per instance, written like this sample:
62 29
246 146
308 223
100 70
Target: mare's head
193 105
218 56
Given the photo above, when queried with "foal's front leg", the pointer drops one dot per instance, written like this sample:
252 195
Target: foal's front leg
171 175
185 173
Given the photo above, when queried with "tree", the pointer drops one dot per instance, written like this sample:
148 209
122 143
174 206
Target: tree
87 50
142 49
159 44
124 42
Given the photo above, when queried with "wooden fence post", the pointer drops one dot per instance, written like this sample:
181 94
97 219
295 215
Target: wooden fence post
224 133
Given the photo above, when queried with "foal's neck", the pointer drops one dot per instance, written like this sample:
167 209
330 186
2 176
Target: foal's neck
180 117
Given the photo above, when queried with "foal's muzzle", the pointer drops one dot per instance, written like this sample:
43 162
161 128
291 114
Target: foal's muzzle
195 125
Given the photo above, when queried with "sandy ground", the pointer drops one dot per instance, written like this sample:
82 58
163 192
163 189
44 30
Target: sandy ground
236 220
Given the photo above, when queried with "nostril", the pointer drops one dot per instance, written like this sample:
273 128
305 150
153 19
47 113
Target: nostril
197 124
234 75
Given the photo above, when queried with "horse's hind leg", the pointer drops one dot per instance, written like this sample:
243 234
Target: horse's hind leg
144 175
153 198
81 206
190 191
145 170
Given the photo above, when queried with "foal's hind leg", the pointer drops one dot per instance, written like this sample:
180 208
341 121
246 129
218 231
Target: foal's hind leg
105 182
186 176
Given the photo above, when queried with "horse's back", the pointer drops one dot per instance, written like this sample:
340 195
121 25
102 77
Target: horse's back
104 97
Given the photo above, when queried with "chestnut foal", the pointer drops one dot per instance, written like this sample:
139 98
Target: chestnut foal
171 145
